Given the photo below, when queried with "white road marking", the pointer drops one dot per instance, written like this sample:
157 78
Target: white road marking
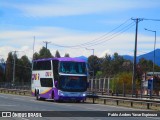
7 105
3 97
94 109
121 107
18 98
15 95
24 119
63 104
153 118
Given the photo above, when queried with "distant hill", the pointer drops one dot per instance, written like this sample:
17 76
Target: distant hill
127 57
147 56
83 58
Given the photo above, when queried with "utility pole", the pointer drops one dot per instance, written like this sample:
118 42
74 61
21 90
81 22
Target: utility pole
33 51
135 57
14 62
137 20
46 42
151 89
154 48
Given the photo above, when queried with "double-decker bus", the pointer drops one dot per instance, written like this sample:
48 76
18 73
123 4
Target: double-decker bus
59 79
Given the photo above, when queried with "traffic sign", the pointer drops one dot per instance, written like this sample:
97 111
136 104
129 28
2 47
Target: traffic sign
150 84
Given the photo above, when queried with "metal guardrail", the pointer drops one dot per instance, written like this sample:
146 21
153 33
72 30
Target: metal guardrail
93 95
117 99
15 91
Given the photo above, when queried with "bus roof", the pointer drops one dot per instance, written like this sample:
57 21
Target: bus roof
62 59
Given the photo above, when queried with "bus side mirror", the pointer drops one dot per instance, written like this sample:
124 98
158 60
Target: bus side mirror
56 83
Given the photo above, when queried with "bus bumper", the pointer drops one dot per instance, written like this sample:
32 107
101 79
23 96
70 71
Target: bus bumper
72 98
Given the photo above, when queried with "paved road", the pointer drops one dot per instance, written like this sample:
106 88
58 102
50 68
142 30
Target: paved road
26 103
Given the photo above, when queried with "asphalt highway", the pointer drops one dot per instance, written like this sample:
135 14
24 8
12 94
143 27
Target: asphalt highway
62 111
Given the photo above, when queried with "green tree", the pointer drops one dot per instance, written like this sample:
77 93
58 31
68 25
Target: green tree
145 65
57 55
2 71
9 67
94 66
99 74
23 71
45 53
120 81
36 56
66 55
127 66
117 63
106 66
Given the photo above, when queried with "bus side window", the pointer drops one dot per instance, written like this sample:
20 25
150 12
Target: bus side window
76 68
42 65
62 68
55 69
80 68
46 82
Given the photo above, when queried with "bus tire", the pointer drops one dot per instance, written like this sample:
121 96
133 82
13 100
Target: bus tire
37 95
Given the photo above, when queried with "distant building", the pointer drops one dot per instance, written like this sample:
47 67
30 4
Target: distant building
148 76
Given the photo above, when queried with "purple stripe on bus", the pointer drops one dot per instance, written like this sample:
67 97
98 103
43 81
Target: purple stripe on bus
47 95
63 59
56 97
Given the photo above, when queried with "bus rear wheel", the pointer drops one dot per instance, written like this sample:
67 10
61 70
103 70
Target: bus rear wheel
38 96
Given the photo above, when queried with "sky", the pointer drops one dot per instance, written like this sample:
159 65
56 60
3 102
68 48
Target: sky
78 27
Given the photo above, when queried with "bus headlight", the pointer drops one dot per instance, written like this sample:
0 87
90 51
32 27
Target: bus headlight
84 94
61 93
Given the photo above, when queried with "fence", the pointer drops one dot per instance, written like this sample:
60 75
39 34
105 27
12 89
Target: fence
20 86
99 85
108 86
111 86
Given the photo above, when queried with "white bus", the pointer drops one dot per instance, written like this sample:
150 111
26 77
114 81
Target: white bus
59 79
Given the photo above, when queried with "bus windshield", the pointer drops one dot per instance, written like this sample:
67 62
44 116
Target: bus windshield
73 83
72 67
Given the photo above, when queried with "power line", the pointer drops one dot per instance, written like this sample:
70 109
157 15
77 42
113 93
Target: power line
151 19
102 38
114 35
104 34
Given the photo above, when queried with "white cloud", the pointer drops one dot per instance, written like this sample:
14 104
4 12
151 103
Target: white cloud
102 54
77 7
4 50
22 41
